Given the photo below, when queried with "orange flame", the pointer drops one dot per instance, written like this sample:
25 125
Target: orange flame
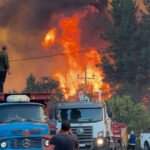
142 6
49 38
76 62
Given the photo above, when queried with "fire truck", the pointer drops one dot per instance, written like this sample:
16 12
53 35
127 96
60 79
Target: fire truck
91 123
24 122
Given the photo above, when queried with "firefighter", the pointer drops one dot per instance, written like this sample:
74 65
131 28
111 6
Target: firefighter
131 141
4 67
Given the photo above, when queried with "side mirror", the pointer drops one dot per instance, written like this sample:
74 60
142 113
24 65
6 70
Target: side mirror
109 111
46 118
110 115
57 117
53 122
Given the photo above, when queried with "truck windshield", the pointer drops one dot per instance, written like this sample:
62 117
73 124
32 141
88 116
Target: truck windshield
81 115
22 113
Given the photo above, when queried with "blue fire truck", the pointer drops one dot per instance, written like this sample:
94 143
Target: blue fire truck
24 122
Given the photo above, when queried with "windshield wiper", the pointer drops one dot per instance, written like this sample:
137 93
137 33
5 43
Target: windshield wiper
22 120
14 120
81 120
30 120
85 120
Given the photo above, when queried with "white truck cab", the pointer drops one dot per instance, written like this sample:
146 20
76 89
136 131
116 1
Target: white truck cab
88 122
145 140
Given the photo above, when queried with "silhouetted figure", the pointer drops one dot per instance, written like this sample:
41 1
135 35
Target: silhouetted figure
75 114
65 140
4 67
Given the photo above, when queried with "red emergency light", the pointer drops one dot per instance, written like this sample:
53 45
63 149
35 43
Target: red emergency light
41 96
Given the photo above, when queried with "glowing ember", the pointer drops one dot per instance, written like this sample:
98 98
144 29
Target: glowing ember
142 6
49 38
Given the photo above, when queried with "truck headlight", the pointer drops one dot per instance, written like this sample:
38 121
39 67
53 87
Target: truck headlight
46 143
3 144
100 141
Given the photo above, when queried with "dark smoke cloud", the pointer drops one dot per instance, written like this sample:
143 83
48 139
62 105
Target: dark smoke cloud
24 23
27 21
35 14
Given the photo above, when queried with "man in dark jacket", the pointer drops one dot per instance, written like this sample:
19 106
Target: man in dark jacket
65 140
4 67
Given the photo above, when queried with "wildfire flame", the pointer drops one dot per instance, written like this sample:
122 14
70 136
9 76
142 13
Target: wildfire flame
49 38
142 6
76 61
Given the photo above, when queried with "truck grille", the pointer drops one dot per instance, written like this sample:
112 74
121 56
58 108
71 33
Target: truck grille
85 136
21 132
26 143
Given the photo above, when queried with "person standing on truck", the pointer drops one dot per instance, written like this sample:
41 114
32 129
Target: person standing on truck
4 67
65 140
131 141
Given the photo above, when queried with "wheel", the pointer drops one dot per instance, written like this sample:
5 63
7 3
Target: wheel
146 146
118 146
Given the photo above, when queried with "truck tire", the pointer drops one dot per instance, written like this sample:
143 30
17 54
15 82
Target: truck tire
118 146
146 146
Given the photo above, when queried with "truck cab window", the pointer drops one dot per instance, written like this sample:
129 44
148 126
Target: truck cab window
81 115
22 113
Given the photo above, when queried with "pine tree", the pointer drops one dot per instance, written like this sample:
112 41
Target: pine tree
143 57
30 84
128 70
44 85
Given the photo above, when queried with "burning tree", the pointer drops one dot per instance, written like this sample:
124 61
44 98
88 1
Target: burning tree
63 26
68 35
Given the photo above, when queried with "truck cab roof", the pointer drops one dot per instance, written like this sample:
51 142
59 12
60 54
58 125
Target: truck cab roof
72 105
22 103
26 98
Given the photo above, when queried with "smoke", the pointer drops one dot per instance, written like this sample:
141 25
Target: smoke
23 24
36 14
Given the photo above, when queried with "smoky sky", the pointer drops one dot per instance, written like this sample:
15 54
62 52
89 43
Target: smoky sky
24 23
36 14
27 22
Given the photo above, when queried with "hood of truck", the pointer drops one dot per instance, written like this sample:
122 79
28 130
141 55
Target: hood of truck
24 129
